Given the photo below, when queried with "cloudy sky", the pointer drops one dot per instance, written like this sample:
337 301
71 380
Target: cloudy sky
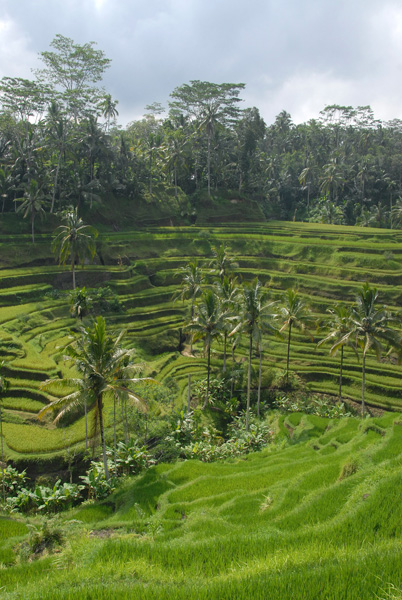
293 55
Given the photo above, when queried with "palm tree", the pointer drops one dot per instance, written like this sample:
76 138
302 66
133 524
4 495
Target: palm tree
339 325
293 313
228 292
74 240
3 387
106 369
207 324
251 322
32 203
369 328
191 288
108 109
222 262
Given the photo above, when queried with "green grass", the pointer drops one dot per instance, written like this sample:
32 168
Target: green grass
289 522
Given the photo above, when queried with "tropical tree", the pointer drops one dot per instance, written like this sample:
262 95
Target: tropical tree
207 324
209 105
229 293
252 321
370 329
339 325
32 203
81 303
292 314
74 240
191 288
3 387
106 368
222 263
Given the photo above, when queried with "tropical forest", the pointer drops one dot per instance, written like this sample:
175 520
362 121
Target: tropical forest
200 345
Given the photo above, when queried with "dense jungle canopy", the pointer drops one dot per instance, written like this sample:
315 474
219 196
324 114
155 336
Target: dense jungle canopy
60 146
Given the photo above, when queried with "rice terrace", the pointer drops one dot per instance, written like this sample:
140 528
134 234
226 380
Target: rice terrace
317 509
200 345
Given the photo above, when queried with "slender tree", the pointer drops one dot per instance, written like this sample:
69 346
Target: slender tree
229 293
74 240
292 314
191 288
3 387
106 368
339 325
253 310
207 324
370 329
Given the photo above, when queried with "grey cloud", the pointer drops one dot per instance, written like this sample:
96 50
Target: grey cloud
267 44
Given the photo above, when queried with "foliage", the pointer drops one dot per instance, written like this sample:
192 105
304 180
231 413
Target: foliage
131 458
312 405
96 482
14 480
44 499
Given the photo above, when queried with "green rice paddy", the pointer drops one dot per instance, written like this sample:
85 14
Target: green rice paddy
328 264
317 515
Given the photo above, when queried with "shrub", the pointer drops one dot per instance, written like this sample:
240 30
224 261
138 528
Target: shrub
312 405
13 481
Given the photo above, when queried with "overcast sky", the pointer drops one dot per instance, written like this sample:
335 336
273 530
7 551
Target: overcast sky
293 55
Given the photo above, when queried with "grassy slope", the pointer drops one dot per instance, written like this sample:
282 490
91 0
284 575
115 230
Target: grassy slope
327 263
319 517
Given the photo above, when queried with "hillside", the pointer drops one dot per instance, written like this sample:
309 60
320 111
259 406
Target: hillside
315 515
327 263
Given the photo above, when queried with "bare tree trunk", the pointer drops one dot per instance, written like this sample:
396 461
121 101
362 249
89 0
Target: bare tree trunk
189 393
259 385
102 433
86 425
114 436
208 372
340 375
249 383
363 382
287 361
2 457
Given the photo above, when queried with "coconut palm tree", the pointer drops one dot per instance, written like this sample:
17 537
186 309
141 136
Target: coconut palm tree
207 324
369 329
74 241
229 293
222 262
32 203
292 313
191 288
3 387
252 321
339 325
105 368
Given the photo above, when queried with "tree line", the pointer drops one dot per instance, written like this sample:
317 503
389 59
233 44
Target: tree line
60 146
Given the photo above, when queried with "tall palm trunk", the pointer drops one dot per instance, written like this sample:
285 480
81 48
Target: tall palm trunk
208 372
249 383
259 385
73 271
2 457
287 360
224 351
102 434
209 165
340 375
86 425
114 436
363 382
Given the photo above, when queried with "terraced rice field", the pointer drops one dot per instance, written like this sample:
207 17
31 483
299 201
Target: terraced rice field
328 264
317 515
